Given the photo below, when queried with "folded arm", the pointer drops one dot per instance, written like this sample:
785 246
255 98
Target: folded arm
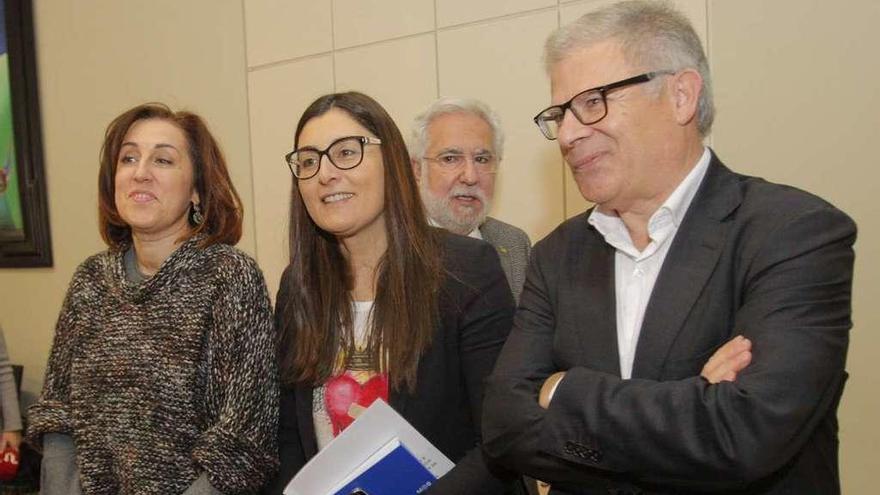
795 311
238 452
51 412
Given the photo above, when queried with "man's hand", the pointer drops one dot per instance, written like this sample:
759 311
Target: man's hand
548 388
723 366
728 360
10 438
543 488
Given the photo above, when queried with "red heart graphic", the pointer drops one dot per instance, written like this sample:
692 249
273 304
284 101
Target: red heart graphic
342 391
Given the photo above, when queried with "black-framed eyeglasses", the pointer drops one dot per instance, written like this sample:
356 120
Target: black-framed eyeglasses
345 153
588 106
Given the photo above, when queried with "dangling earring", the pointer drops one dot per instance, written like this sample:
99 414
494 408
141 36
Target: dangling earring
196 216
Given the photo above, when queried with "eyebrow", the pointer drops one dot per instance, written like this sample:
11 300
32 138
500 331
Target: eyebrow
450 150
308 148
459 151
160 145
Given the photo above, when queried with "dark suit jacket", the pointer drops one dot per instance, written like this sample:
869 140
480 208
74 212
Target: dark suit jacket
476 310
768 261
513 246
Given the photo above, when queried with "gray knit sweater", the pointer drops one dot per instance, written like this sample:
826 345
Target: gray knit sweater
161 381
11 417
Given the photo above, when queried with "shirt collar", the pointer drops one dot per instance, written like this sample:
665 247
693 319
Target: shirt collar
678 202
476 234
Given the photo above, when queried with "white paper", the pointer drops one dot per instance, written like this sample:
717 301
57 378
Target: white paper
369 433
373 459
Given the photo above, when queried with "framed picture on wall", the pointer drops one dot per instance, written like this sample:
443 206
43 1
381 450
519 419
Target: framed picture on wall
24 217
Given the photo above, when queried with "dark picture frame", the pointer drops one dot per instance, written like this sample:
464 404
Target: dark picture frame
24 216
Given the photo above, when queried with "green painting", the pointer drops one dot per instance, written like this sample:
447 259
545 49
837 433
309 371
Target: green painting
11 224
24 217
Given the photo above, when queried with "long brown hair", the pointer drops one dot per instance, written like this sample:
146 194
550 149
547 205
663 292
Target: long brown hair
316 318
221 206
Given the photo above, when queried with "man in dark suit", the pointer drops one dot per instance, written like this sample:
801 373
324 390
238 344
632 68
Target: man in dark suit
603 385
456 147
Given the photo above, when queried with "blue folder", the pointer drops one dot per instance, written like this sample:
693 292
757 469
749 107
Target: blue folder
397 473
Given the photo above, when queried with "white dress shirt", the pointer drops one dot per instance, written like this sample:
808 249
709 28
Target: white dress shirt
635 272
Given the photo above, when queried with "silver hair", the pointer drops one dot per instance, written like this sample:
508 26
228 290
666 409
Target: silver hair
419 139
653 35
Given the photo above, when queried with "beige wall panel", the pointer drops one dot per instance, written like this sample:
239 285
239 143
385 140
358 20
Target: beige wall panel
499 63
279 30
95 59
452 12
356 22
278 96
695 10
399 74
797 103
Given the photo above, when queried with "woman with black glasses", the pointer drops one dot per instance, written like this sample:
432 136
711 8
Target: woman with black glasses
377 304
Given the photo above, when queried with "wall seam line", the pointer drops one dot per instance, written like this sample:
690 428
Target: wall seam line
436 52
333 43
247 88
503 17
437 29
293 60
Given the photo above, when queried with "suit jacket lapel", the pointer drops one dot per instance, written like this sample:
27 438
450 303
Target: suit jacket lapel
592 302
504 257
489 232
688 266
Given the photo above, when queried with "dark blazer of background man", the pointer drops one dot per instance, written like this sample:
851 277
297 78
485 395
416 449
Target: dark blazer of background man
744 256
456 148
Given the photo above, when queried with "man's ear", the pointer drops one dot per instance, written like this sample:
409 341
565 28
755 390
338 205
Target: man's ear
686 88
417 169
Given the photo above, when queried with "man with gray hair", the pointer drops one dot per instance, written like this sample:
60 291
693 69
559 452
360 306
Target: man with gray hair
456 147
689 332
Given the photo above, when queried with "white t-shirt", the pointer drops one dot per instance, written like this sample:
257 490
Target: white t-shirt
340 399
